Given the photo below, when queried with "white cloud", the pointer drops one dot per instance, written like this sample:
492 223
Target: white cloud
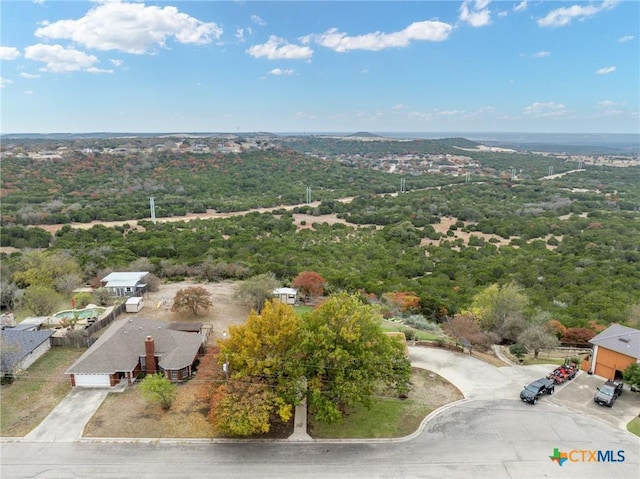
38 2
279 71
9 53
277 48
626 38
522 6
4 82
98 70
239 34
477 16
131 27
605 70
609 104
115 62
546 110
28 92
29 75
58 58
398 106
541 54
563 16
257 20
433 31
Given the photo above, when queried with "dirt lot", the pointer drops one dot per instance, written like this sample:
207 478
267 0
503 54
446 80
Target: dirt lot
126 414
225 310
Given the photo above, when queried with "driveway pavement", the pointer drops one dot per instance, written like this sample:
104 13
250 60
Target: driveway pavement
66 422
475 378
578 396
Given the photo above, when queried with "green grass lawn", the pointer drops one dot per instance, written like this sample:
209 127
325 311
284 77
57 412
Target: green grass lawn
302 310
387 418
554 361
35 392
634 426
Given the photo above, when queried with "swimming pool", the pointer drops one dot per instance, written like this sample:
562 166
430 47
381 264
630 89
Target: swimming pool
86 313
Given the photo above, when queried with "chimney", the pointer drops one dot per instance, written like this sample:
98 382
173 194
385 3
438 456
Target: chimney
150 353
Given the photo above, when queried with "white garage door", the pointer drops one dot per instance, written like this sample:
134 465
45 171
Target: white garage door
92 380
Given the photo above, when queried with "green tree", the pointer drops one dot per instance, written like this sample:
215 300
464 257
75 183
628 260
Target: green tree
40 300
518 350
192 300
8 294
501 309
632 374
257 290
44 268
347 356
102 296
536 337
81 300
157 388
264 369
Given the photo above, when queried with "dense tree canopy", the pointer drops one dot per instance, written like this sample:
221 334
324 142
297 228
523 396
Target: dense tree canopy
347 356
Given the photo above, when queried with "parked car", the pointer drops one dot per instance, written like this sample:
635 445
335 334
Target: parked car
607 394
635 388
533 391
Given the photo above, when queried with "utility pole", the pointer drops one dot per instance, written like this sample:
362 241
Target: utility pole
152 205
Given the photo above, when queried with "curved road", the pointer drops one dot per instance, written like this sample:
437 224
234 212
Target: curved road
487 435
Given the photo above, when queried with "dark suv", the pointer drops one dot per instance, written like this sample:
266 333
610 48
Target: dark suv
533 391
607 394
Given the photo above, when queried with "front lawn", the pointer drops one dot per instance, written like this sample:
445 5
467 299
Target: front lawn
391 417
634 426
35 392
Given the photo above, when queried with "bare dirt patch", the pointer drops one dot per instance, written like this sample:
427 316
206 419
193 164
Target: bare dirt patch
225 312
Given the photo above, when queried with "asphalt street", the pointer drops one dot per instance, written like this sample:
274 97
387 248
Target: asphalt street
491 434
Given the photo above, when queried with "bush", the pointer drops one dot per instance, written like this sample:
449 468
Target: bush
81 300
409 334
518 350
419 322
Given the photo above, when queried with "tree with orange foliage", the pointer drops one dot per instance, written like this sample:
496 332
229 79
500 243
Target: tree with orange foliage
405 301
310 283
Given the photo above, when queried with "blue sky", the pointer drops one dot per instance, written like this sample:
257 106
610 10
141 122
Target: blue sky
378 66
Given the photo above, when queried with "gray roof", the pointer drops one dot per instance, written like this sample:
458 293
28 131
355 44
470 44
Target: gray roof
120 347
619 338
128 278
19 344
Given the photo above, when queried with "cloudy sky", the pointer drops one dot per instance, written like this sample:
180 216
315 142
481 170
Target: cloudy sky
320 66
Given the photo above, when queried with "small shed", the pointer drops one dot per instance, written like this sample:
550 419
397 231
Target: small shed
286 295
134 304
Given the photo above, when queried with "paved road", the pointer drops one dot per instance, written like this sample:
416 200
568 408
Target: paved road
477 438
491 435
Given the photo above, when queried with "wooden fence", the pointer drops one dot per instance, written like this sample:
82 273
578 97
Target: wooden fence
82 338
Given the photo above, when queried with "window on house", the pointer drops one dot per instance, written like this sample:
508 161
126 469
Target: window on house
174 375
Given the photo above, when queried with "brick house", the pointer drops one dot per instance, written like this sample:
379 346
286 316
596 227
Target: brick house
132 346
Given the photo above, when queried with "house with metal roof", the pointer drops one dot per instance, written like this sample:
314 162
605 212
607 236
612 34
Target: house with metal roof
21 348
133 346
125 283
615 349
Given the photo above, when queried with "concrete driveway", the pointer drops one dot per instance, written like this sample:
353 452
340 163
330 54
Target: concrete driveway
475 378
66 422
578 396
